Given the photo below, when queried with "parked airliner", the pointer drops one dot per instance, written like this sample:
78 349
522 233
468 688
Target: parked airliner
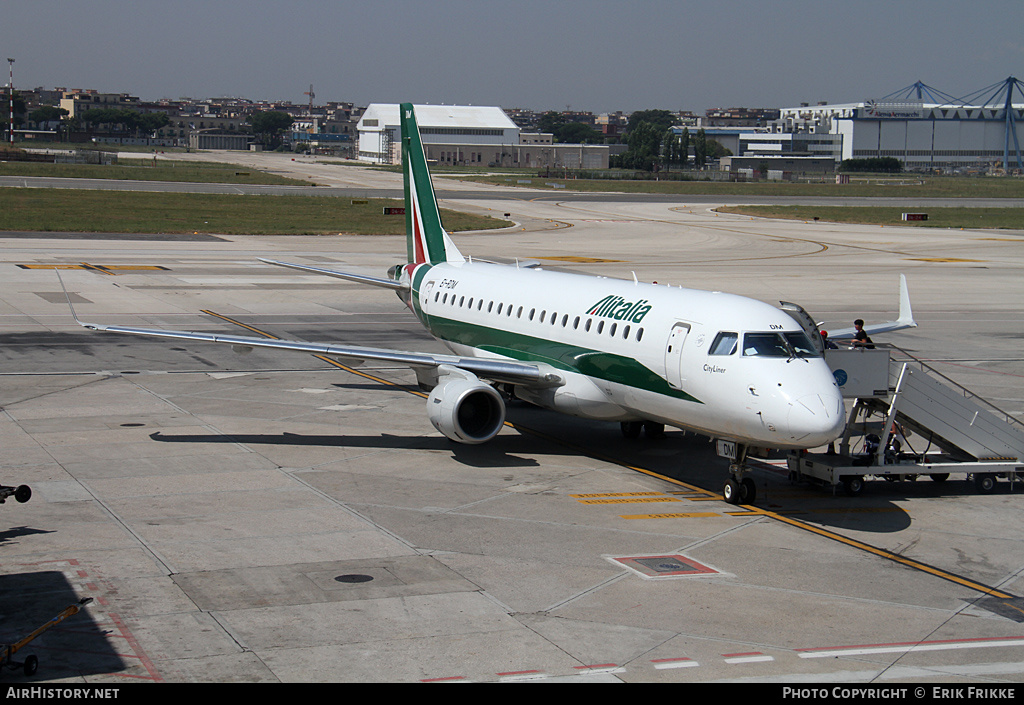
646 355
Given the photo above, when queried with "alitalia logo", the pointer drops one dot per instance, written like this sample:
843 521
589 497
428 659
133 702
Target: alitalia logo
621 310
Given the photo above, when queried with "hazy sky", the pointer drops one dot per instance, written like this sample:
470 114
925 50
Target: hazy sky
592 55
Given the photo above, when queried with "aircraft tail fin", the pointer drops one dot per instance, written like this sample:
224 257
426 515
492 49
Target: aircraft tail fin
426 239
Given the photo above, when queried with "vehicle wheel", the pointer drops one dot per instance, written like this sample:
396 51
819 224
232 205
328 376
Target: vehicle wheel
31 665
631 429
23 493
748 491
853 485
731 491
654 430
939 477
985 482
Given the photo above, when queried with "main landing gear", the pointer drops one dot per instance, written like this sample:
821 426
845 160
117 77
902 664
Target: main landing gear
631 429
739 488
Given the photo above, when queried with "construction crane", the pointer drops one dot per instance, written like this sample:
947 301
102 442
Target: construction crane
311 95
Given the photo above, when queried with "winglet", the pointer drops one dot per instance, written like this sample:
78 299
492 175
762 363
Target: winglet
906 318
71 306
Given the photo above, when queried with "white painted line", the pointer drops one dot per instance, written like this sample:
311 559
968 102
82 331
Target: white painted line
910 648
662 664
753 658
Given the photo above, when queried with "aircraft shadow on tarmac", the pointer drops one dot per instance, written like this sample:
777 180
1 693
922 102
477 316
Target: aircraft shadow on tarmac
687 458
74 648
498 453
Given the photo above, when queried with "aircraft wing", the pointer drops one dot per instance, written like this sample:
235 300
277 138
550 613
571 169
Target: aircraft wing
534 375
905 319
358 278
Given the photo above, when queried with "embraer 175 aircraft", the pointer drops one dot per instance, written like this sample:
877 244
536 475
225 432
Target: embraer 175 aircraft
646 355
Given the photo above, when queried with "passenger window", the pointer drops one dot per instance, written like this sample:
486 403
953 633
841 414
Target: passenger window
587 326
600 326
576 323
612 331
625 332
639 334
724 344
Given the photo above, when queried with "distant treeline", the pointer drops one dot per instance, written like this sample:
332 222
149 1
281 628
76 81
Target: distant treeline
885 165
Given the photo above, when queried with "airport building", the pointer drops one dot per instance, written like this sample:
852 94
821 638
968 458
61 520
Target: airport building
470 136
924 128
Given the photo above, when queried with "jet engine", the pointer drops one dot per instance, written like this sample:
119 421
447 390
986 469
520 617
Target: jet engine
466 410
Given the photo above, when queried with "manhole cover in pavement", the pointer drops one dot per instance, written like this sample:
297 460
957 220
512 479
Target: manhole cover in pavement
666 566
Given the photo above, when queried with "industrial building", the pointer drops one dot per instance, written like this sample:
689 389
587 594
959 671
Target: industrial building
470 136
926 129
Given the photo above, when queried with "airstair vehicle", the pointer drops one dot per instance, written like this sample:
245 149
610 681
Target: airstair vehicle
914 422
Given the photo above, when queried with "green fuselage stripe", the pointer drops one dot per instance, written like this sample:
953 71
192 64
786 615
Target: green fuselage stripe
562 356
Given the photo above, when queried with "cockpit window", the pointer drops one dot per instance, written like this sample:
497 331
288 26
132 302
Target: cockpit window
764 345
789 344
724 344
801 344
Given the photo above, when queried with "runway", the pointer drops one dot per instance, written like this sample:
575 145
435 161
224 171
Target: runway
273 518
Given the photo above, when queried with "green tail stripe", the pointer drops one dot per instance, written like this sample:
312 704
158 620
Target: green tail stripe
423 229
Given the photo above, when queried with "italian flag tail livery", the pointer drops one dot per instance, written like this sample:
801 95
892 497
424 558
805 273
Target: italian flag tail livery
426 239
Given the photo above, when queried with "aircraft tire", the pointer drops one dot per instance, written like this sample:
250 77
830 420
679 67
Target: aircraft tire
631 429
31 665
654 430
748 491
731 491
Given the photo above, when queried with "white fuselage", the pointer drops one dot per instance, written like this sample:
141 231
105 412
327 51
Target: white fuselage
714 363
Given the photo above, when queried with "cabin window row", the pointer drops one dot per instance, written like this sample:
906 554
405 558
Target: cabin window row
507 310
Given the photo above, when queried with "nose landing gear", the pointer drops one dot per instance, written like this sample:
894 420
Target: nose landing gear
739 488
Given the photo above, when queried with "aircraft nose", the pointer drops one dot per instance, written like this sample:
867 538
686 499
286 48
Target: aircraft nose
816 419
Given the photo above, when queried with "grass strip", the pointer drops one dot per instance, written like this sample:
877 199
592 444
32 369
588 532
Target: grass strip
145 170
907 186
962 218
67 210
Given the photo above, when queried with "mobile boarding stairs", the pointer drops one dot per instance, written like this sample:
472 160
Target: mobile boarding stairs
914 421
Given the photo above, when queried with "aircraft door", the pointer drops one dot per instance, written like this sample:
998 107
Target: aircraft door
425 295
674 354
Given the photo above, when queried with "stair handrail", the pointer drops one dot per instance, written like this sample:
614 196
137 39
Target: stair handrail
968 394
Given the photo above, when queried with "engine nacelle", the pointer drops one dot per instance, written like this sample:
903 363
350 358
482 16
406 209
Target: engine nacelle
466 410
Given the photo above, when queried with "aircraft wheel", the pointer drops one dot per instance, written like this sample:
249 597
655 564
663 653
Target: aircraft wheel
23 493
748 491
853 485
731 491
939 477
31 665
985 482
631 429
654 430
